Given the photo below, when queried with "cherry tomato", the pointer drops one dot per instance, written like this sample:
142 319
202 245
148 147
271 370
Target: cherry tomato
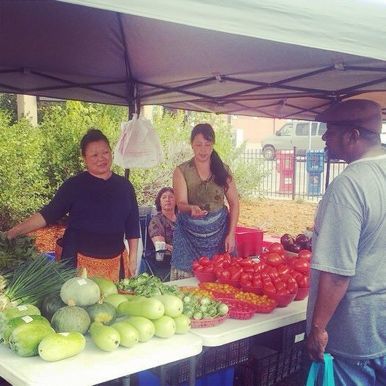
276 248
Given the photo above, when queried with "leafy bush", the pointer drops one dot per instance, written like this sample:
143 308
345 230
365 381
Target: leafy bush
22 179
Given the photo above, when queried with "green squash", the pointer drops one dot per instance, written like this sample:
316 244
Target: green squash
16 322
25 339
80 291
104 313
105 337
50 304
107 287
56 347
71 318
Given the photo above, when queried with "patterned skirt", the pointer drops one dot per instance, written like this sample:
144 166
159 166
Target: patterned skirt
97 267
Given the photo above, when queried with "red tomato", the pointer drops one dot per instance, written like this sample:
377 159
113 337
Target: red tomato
272 272
257 283
276 248
282 291
245 276
246 263
204 260
263 256
269 289
274 259
304 282
208 268
279 285
199 268
195 264
225 275
292 287
305 253
260 266
283 269
301 265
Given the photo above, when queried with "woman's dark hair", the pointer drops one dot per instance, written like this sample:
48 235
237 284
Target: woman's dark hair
158 198
219 172
92 135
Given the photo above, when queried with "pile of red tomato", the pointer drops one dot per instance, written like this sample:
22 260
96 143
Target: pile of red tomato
275 274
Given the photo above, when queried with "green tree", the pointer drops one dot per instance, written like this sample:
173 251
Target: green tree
22 179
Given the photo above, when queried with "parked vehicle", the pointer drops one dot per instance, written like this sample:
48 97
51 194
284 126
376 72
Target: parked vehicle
383 135
304 135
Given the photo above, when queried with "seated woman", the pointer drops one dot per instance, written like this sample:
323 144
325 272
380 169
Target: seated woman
161 226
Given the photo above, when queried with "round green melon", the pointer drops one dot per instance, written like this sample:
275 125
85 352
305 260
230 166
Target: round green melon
80 291
50 304
104 313
71 318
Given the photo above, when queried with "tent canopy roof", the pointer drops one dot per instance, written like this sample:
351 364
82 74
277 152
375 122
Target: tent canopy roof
267 58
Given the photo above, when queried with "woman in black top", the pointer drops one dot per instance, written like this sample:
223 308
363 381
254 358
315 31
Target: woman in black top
102 210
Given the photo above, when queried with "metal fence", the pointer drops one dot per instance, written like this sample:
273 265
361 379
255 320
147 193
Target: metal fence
291 176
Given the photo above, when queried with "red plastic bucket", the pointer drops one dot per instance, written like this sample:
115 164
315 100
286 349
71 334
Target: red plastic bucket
249 241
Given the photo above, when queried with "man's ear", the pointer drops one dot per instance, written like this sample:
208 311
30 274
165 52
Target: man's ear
354 135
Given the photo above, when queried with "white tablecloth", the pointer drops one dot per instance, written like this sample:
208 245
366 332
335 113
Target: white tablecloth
94 366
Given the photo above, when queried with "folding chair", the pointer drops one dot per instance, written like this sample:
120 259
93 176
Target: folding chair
149 263
148 249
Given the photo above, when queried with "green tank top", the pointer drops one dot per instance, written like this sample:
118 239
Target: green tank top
206 194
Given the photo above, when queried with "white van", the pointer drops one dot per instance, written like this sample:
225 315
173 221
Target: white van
305 135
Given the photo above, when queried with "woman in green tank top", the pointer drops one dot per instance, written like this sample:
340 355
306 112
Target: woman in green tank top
205 226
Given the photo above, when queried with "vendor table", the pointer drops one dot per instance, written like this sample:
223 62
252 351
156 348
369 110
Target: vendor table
231 329
94 366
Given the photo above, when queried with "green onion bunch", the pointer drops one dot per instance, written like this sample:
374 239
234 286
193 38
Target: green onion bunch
32 280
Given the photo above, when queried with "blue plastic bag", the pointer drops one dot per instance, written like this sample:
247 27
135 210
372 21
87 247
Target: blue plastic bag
328 372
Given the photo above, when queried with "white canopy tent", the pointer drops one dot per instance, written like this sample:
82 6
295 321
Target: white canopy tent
269 58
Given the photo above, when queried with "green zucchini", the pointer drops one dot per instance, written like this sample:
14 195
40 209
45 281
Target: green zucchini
58 346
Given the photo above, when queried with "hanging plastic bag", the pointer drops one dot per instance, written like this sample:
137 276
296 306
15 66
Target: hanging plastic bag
138 145
314 376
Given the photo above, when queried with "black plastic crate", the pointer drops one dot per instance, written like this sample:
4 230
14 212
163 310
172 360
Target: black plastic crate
293 334
282 338
290 361
260 370
210 360
267 367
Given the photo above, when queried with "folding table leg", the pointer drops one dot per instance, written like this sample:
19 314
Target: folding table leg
125 381
192 371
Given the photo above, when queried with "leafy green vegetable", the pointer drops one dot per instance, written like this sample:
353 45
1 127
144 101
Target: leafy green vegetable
16 251
147 285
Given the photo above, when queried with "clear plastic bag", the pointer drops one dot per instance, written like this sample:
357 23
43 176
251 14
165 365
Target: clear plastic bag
138 145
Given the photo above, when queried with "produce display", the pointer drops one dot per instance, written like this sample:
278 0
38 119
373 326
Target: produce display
276 274
81 306
47 311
